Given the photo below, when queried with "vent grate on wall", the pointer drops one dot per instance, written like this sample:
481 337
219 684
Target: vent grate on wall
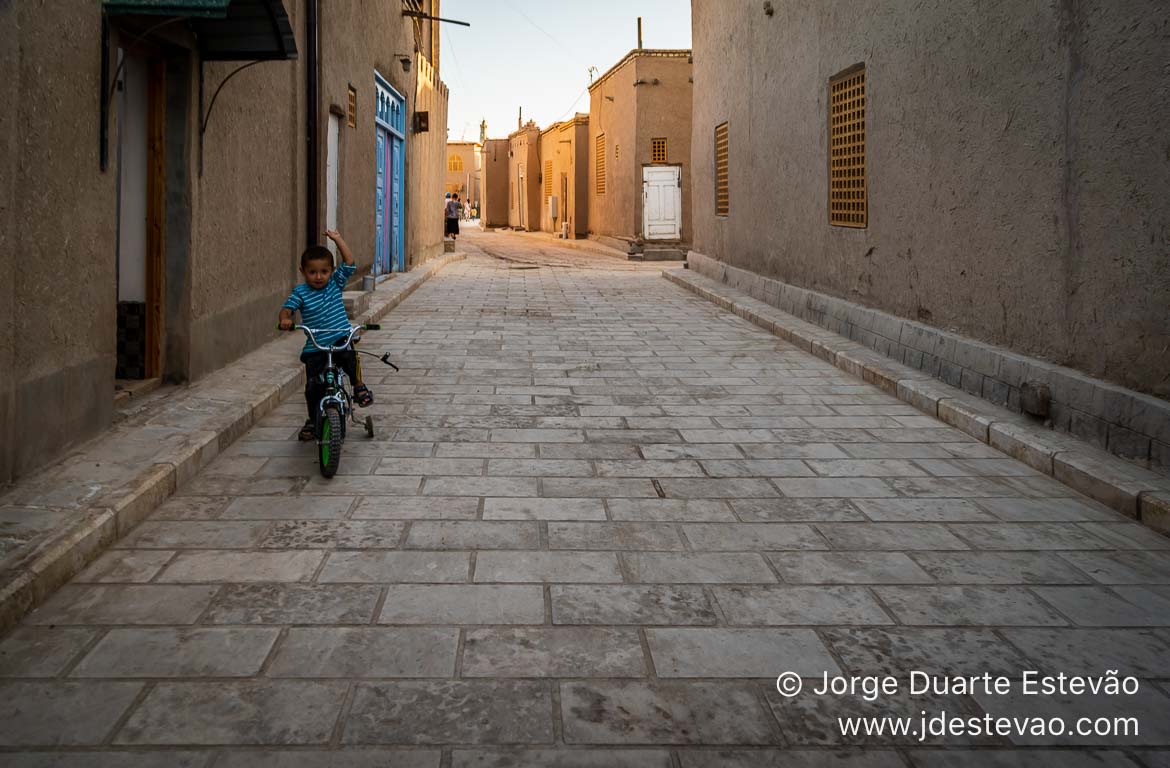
848 203
658 150
351 108
547 180
600 150
722 197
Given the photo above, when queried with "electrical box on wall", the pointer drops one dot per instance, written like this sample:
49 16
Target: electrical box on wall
422 122
552 208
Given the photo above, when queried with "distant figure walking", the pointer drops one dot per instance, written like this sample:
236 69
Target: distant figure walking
452 212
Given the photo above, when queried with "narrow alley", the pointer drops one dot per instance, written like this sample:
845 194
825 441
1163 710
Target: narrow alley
599 518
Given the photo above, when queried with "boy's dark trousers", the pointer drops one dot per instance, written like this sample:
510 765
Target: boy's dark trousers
314 365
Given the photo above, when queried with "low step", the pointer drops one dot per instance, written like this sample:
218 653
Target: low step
356 302
658 253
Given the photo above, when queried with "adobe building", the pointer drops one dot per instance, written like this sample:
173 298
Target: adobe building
464 170
524 177
156 195
564 154
639 148
991 214
495 204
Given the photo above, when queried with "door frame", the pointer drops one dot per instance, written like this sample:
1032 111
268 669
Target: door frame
154 245
521 198
156 214
390 120
677 167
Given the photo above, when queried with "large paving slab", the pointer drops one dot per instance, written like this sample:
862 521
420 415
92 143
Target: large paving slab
599 518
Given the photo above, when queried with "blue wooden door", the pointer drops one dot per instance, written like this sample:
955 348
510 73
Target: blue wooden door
381 260
390 191
397 174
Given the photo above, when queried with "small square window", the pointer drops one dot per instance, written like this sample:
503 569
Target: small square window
658 150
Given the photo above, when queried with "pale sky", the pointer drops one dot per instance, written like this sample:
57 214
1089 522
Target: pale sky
536 54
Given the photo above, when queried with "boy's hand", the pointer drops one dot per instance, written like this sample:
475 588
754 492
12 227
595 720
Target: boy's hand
286 324
335 236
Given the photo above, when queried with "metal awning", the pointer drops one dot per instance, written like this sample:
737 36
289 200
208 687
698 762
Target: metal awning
226 30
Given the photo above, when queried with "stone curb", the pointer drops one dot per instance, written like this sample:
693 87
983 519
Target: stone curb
1127 488
1129 424
259 382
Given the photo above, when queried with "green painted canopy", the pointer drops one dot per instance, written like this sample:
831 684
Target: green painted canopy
227 30
202 8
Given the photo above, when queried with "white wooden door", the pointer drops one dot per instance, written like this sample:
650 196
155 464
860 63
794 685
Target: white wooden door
661 202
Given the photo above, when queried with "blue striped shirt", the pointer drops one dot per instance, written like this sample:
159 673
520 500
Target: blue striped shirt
324 308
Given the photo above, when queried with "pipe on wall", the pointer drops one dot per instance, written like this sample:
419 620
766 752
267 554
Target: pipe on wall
311 99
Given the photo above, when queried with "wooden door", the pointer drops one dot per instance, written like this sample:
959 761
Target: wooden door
661 202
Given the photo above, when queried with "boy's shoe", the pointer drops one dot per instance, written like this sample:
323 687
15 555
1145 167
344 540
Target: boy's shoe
363 396
308 432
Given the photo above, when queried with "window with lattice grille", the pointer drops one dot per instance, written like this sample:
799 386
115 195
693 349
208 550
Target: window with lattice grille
547 180
600 163
722 196
848 203
658 150
351 108
454 163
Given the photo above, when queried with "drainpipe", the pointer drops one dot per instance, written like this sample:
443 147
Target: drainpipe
312 236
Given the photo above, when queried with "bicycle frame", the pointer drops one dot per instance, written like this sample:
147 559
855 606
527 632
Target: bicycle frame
335 376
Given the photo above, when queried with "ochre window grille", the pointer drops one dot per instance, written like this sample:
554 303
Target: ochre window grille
658 150
600 149
454 163
547 180
722 198
351 108
848 204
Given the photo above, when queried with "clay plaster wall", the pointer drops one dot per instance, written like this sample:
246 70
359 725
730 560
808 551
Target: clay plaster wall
1016 166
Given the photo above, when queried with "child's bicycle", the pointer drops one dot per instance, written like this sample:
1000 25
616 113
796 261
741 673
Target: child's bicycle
336 406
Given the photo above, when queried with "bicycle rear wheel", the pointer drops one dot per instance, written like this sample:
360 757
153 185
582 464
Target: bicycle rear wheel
329 449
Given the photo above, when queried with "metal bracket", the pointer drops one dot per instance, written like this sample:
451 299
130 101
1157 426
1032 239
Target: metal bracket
204 119
428 17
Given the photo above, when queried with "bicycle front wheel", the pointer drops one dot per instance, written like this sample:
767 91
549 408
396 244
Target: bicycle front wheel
329 449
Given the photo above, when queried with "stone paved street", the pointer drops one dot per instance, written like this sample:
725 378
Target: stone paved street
600 518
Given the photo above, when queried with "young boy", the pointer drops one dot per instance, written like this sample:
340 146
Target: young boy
320 303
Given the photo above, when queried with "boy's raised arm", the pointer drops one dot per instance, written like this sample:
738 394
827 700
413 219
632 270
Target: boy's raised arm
342 248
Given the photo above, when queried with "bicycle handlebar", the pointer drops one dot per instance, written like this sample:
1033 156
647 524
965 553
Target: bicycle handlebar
364 327
349 332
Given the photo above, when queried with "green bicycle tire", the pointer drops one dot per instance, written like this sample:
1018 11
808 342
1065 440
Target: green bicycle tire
329 449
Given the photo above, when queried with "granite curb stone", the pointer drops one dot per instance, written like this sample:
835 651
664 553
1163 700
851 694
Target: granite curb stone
1124 422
